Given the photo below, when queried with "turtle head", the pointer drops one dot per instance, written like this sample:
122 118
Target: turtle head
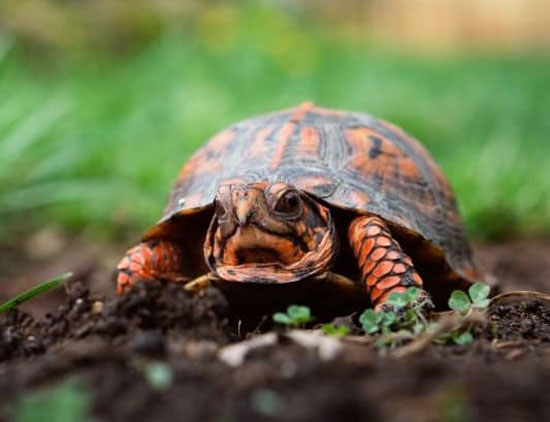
270 233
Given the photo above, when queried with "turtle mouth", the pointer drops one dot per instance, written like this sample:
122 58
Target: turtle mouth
253 245
253 255
258 255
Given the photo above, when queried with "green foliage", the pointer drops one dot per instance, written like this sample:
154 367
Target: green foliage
266 402
403 321
97 143
295 316
332 330
462 338
374 322
34 291
479 293
477 298
406 318
67 401
462 303
459 301
159 375
399 301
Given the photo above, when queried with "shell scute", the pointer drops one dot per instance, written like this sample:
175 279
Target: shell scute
351 160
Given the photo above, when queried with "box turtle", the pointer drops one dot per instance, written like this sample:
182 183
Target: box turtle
298 194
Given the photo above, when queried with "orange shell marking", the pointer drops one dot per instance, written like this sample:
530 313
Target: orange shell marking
287 131
200 162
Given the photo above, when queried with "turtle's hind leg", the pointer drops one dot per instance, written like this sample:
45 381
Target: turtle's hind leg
385 268
152 260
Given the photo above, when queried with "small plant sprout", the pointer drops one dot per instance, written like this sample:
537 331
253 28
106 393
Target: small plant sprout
295 316
374 322
462 338
68 400
401 300
335 331
464 304
403 321
34 291
477 298
159 375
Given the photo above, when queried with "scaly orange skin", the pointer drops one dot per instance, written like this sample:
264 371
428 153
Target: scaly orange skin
384 267
153 260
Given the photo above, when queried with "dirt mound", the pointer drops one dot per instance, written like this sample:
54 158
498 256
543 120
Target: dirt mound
524 320
143 318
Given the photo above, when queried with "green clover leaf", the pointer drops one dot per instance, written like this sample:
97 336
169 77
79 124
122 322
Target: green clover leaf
282 318
331 330
397 300
463 338
479 292
299 314
411 294
459 301
369 320
389 318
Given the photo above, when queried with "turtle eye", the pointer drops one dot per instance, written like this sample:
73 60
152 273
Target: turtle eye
288 204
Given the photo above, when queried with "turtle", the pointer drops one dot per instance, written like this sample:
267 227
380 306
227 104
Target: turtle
299 194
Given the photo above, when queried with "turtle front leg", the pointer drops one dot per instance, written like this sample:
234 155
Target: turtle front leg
385 268
152 260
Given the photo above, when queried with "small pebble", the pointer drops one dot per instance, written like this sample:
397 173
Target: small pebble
97 307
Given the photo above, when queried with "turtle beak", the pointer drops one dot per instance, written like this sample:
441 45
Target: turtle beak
242 213
245 202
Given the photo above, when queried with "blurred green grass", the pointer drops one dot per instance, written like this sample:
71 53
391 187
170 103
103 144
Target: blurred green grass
65 401
95 143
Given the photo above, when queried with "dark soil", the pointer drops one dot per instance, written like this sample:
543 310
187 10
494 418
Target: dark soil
109 344
526 320
141 321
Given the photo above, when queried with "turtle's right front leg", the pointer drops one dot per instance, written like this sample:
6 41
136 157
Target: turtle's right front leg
384 266
152 260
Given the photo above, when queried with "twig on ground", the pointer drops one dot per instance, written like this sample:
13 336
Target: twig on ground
444 325
518 296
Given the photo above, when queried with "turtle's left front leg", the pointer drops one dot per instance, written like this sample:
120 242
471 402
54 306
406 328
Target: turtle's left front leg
384 267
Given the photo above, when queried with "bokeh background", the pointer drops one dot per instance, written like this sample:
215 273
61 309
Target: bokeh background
101 101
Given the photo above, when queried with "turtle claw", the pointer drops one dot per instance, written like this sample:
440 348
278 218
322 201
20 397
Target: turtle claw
424 301
200 283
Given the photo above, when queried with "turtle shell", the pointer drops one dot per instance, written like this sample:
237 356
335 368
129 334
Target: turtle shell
350 160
